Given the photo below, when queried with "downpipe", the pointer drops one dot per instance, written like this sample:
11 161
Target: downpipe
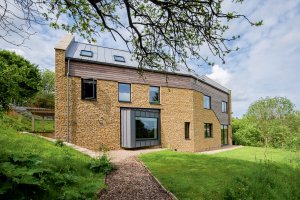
68 104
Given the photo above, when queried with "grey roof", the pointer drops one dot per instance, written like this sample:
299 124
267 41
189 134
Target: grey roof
105 55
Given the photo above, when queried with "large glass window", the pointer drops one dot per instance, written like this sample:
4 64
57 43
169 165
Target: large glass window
146 128
224 134
124 92
207 102
224 106
154 94
187 130
88 89
208 130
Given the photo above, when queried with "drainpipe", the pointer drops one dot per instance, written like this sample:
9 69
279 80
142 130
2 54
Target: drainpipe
68 106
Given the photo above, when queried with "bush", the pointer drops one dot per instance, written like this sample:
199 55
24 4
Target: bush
265 183
102 164
59 143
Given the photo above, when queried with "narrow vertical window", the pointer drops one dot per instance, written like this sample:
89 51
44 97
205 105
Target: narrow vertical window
88 89
154 94
208 130
187 130
224 106
124 92
224 134
207 101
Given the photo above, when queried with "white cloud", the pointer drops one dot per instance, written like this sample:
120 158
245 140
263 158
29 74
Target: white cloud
220 75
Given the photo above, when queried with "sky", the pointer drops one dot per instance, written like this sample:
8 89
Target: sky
267 64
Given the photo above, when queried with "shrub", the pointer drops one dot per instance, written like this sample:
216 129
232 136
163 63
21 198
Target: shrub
102 164
59 143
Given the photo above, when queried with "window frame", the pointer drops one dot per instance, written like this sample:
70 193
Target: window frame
118 60
187 130
94 89
154 102
86 55
122 101
157 129
226 107
209 102
227 132
211 130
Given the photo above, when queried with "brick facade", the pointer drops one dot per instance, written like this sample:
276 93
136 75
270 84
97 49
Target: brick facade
96 123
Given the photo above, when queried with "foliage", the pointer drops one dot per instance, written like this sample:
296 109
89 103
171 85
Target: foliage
19 79
59 143
227 174
34 168
162 34
269 122
102 164
45 97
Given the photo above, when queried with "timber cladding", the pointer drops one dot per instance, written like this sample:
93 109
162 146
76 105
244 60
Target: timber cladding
96 123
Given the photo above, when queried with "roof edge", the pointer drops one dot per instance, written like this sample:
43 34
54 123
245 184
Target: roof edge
65 42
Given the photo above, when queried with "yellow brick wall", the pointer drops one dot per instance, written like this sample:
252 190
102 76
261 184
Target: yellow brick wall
97 123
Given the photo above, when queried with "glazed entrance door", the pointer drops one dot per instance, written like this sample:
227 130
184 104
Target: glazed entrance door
224 134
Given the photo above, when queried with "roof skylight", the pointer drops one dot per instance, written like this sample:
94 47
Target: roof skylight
119 58
86 53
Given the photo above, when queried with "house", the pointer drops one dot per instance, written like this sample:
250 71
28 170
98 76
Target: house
102 101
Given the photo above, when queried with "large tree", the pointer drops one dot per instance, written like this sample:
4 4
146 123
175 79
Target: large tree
19 79
160 33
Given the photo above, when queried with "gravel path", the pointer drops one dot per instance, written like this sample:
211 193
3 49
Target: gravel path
132 181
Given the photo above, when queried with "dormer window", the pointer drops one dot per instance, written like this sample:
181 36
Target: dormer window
86 53
119 58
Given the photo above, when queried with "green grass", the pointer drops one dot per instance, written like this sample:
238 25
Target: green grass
29 163
195 176
21 123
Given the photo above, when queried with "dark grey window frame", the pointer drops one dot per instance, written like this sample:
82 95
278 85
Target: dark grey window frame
209 102
157 129
187 130
82 53
119 92
154 102
206 132
222 130
122 58
94 97
226 107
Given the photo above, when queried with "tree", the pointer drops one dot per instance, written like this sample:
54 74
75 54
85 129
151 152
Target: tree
160 34
271 116
19 79
45 97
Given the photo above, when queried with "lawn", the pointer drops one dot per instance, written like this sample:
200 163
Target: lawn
236 174
40 169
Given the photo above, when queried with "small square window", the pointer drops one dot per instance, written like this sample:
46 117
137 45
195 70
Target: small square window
187 130
208 130
119 58
207 102
224 106
86 53
88 89
124 92
154 95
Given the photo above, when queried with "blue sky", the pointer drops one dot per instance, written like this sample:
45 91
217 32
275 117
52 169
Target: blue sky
267 64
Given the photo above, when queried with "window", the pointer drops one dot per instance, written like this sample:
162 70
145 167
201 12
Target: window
224 106
208 130
224 134
146 128
207 102
187 130
86 53
119 58
154 94
124 92
88 89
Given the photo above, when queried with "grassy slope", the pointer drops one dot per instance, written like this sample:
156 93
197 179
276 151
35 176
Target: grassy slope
64 162
194 176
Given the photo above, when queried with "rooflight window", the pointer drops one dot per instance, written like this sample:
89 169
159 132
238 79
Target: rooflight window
86 53
119 58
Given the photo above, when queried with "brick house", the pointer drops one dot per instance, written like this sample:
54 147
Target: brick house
101 100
